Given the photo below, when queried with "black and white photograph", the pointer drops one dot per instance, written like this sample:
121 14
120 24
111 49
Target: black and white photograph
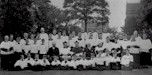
75 37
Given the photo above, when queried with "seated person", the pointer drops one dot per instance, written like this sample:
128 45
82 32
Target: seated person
73 63
115 62
30 61
45 61
88 51
99 48
20 64
64 64
37 63
127 61
56 62
65 51
53 51
77 50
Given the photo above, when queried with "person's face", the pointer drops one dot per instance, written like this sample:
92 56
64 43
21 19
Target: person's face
59 34
135 33
22 56
144 36
32 36
44 57
73 33
50 36
11 37
54 32
64 32
79 34
29 55
65 44
36 56
35 40
100 35
42 30
100 44
114 54
107 40
88 45
105 30
76 44
18 39
53 44
25 35
127 52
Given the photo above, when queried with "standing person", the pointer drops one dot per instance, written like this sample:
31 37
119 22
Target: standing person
17 48
105 34
84 35
54 36
59 41
6 52
64 36
134 49
80 40
34 47
50 40
44 36
43 49
12 41
90 40
95 34
23 40
71 41
145 45
31 40
26 48
136 36
99 40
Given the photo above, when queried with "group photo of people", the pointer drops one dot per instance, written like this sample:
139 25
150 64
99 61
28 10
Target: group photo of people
59 50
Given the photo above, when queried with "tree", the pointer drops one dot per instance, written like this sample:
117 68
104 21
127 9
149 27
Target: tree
16 17
83 10
144 17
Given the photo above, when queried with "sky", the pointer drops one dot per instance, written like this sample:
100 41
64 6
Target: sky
116 7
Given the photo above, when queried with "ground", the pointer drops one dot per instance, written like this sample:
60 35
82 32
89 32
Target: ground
134 72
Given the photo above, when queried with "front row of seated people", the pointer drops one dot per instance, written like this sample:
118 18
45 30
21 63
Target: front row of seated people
103 60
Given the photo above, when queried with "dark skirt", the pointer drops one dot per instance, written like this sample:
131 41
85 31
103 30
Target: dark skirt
145 58
136 61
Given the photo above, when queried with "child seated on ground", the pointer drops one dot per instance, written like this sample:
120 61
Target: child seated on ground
64 64
56 62
30 61
100 60
115 62
20 64
45 61
37 63
73 63
127 61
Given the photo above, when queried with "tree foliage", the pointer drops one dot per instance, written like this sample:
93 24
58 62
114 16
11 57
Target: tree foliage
144 17
83 10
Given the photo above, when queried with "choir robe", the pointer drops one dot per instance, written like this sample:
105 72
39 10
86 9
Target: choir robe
21 63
